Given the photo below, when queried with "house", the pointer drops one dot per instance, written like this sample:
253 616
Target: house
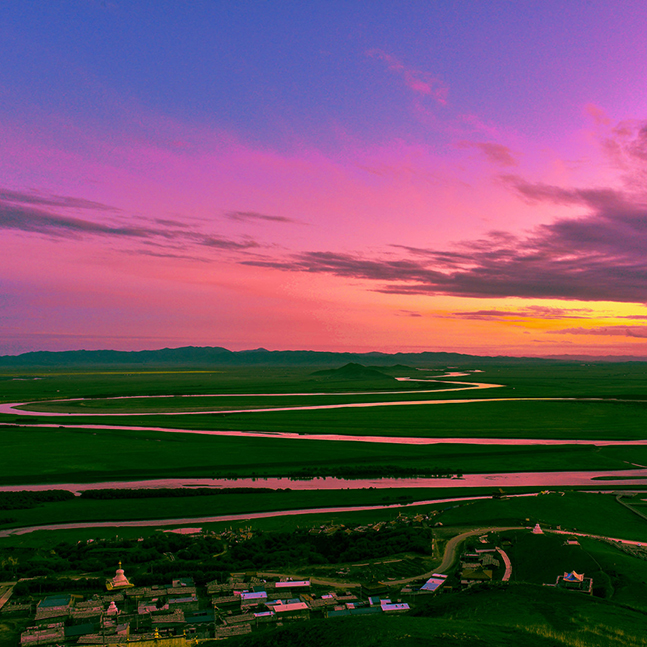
175 619
236 630
48 635
54 606
473 575
252 598
394 607
435 582
77 631
290 610
575 582
289 585
186 603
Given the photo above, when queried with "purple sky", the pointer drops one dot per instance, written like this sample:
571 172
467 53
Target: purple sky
459 176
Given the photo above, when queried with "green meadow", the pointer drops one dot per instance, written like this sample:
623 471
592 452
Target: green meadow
606 380
65 453
597 514
52 455
522 615
620 410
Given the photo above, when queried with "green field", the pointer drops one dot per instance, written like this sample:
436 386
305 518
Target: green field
36 455
519 616
522 613
479 419
598 514
606 380
54 455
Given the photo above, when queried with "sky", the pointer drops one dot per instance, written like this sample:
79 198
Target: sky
349 176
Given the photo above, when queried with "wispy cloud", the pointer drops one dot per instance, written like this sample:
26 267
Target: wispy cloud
38 199
610 331
599 256
418 81
26 212
496 153
245 216
535 192
531 312
31 219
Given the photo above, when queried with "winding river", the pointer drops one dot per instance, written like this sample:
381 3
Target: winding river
611 478
19 408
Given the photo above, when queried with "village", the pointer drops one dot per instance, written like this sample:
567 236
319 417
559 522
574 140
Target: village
181 612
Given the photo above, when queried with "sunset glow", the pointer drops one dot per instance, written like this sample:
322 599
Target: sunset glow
455 176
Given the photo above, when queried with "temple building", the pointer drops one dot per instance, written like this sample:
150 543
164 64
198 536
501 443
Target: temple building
119 581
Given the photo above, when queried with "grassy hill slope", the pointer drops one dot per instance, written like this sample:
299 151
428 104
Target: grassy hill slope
516 615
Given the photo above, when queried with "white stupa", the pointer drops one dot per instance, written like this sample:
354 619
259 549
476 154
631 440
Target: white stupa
119 581
537 530
112 609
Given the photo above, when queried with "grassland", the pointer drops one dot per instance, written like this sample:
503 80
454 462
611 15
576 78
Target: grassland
53 455
605 380
479 419
625 418
540 559
597 514
519 615
42 455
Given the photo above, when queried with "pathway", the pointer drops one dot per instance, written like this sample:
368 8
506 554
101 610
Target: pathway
508 564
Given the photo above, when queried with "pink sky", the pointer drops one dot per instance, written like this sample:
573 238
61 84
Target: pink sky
430 218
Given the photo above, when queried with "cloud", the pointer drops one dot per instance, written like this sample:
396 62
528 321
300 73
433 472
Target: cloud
639 332
598 256
595 198
495 153
17 212
243 216
416 80
628 141
531 312
30 219
221 243
24 197
599 116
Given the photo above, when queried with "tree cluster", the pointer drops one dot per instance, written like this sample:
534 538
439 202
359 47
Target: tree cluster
23 499
151 493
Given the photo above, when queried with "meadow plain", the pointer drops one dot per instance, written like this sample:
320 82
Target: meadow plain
596 402
557 401
605 402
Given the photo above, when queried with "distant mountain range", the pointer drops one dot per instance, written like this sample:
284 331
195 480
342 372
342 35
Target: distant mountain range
205 356
195 356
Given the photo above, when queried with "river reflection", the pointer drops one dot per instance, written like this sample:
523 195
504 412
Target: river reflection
507 479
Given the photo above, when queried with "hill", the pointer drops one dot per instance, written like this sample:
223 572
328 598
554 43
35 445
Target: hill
195 356
353 372
514 615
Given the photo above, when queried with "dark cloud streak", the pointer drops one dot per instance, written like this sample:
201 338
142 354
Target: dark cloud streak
244 216
639 332
496 153
599 256
66 202
19 213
